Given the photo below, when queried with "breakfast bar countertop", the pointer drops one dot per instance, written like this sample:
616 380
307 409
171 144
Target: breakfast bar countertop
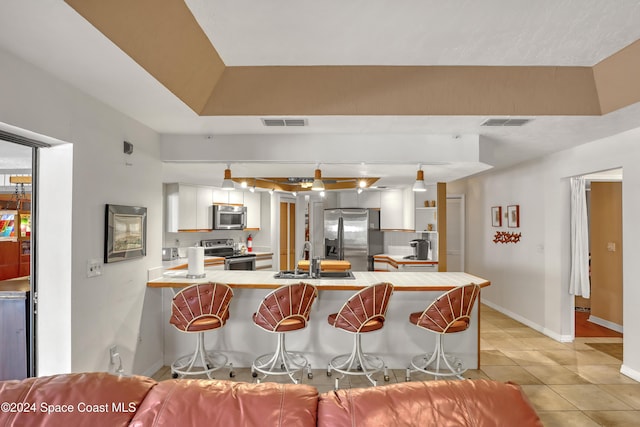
261 279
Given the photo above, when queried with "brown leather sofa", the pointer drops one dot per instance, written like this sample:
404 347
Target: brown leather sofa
100 399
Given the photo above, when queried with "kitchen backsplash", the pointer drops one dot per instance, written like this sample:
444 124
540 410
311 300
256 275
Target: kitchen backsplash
185 240
397 242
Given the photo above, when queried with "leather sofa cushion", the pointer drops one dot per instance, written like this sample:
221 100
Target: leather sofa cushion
91 396
429 403
229 404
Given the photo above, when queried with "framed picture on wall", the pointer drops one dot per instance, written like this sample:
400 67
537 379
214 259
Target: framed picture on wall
496 216
513 216
125 233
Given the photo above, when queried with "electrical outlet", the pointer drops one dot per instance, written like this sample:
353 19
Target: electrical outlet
94 267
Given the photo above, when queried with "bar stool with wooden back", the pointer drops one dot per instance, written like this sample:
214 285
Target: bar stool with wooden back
449 313
364 312
284 310
197 309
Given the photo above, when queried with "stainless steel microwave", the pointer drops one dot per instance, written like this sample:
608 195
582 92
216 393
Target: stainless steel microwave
228 217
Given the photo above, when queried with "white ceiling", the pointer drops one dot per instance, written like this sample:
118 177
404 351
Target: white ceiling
417 32
53 37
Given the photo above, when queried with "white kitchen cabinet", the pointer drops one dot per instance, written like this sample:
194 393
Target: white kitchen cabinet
382 266
264 261
418 267
367 199
347 199
204 208
252 201
224 197
188 207
391 217
397 210
408 209
187 199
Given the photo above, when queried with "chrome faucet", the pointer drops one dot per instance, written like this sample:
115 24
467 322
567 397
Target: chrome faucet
313 263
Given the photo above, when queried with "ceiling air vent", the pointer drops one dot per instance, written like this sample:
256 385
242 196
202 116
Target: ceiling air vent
505 122
295 122
284 122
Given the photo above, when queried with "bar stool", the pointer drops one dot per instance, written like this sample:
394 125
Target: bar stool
286 309
197 309
364 312
449 313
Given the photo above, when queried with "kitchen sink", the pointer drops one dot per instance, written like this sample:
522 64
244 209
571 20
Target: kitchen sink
290 274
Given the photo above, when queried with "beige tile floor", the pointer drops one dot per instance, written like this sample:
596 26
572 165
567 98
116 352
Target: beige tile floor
569 384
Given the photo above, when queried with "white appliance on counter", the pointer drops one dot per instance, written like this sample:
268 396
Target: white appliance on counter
169 254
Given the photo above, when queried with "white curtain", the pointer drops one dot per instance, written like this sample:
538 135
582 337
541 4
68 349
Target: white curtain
579 283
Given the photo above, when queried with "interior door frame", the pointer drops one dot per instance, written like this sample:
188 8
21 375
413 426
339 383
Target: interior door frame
290 232
34 145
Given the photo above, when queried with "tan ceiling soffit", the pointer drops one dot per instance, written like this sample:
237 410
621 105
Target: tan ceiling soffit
164 38
617 79
414 90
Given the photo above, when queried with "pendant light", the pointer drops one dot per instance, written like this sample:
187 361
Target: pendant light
227 183
419 184
318 185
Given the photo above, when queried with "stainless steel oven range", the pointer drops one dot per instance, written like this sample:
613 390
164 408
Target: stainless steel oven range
232 259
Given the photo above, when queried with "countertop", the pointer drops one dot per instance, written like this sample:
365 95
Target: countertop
182 263
402 281
399 259
14 288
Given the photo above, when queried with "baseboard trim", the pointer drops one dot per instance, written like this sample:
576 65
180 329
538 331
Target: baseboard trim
605 323
532 325
631 373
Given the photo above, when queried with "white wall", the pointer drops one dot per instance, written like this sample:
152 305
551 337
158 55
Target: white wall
104 310
530 279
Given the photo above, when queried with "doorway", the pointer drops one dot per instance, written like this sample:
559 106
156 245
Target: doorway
287 245
601 314
18 201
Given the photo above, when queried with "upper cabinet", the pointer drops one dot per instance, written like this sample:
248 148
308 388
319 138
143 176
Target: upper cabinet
366 199
189 207
223 197
253 203
397 210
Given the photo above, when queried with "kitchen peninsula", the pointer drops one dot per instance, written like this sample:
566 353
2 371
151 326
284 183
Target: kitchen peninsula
397 342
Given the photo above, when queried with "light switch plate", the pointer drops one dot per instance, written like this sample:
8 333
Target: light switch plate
94 267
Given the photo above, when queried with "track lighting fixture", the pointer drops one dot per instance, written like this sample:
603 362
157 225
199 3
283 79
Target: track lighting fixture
318 185
419 184
227 183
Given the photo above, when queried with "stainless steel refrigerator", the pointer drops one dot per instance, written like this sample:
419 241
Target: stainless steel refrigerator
353 235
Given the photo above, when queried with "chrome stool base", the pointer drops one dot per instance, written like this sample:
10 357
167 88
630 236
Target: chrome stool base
281 362
201 362
437 363
357 363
